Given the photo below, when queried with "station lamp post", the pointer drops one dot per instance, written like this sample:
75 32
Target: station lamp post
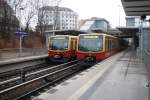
21 36
19 33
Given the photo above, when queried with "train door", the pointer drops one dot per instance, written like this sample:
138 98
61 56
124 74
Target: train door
106 44
48 44
110 42
71 43
72 46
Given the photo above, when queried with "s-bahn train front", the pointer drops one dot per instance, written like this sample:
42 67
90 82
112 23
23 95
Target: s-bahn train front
90 48
61 48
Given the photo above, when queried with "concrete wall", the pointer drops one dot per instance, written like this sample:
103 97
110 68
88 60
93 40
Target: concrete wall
146 39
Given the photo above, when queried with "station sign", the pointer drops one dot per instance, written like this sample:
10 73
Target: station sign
19 33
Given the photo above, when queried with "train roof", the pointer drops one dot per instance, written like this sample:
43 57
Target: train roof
66 32
64 36
98 34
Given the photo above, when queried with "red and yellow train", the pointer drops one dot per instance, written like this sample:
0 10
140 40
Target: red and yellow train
96 47
62 48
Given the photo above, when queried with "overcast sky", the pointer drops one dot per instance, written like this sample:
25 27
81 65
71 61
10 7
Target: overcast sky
108 9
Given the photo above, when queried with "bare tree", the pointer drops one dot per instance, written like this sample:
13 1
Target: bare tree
43 19
43 16
30 12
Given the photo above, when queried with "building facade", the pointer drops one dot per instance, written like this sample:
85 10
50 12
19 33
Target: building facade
96 24
59 18
134 21
8 20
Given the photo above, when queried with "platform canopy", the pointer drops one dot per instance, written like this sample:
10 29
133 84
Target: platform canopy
128 31
136 7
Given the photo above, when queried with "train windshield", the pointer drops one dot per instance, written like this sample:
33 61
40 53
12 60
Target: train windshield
59 43
90 43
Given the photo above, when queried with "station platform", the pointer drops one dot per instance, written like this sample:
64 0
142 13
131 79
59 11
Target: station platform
14 53
20 59
21 62
119 77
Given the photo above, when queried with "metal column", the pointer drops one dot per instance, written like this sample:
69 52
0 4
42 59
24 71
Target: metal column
141 39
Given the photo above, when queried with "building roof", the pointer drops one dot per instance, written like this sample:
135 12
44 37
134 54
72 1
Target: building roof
97 18
52 8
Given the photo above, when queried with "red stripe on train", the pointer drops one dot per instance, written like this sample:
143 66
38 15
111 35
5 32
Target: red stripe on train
99 55
68 53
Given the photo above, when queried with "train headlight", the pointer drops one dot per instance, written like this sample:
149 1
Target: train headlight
90 59
57 56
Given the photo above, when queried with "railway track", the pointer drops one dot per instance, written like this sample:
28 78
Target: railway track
29 69
38 80
17 72
22 75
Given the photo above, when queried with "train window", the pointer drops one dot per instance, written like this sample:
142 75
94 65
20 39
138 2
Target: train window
59 43
90 43
116 45
113 44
